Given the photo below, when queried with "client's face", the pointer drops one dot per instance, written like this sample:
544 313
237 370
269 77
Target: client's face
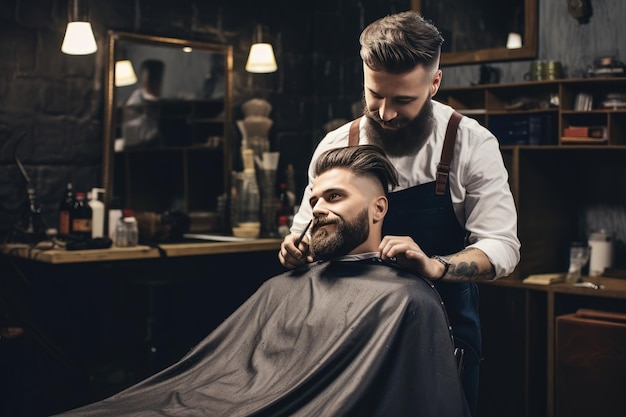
340 209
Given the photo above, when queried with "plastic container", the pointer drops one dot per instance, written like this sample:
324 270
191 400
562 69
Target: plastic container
601 244
126 230
97 209
132 231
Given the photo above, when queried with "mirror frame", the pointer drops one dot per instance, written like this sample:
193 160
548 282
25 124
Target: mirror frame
527 51
110 113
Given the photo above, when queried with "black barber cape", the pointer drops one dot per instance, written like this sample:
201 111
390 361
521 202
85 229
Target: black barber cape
339 338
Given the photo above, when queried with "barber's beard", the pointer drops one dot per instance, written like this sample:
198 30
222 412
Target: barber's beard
407 139
347 236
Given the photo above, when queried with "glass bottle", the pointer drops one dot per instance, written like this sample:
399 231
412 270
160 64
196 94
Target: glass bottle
66 206
31 222
81 217
132 228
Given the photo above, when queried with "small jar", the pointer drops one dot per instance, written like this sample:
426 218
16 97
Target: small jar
121 235
132 231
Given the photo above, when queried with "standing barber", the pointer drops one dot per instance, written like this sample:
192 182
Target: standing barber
455 226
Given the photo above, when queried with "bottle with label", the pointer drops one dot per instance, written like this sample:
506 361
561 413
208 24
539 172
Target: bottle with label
81 217
65 209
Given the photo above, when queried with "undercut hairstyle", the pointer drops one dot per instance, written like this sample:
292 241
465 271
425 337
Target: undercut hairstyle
400 42
361 160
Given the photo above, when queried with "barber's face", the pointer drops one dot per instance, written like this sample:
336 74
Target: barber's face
341 213
398 108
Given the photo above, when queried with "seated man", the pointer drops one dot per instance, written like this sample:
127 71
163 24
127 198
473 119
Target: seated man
348 335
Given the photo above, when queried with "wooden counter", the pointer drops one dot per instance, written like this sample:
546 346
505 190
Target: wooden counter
519 339
61 256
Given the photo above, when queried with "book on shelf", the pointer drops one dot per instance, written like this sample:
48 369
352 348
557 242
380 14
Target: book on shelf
599 132
583 102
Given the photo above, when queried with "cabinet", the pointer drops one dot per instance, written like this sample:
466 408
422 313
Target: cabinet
560 187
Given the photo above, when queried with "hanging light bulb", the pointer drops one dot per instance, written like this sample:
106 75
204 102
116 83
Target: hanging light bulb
124 73
79 39
261 58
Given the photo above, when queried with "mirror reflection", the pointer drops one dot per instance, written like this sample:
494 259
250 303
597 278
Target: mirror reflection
483 30
167 125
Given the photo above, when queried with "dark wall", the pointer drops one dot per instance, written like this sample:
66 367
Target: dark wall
51 104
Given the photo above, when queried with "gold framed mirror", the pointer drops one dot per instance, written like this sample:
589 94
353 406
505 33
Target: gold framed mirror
479 31
167 138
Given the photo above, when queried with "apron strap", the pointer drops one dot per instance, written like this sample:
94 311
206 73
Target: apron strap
353 136
443 168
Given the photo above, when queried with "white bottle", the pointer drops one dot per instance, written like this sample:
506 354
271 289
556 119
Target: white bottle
601 256
97 209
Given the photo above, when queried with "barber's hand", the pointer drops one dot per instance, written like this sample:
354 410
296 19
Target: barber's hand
290 256
408 254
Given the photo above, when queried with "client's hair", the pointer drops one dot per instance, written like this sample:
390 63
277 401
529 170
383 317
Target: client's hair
366 160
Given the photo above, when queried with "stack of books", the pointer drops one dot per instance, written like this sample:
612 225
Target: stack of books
585 134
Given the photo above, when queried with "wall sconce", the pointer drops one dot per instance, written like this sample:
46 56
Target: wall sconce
79 39
124 73
514 41
261 58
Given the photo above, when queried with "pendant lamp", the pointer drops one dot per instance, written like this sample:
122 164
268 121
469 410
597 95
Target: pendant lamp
261 58
79 39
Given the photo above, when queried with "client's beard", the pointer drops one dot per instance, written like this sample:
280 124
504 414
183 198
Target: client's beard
406 139
347 236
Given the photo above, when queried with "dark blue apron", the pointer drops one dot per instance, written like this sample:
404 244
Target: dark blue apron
428 217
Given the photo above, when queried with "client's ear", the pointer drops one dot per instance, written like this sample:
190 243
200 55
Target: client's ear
380 208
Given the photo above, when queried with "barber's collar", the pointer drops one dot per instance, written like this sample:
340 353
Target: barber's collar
358 257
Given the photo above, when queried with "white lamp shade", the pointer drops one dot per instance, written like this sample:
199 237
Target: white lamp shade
124 73
79 39
261 58
514 41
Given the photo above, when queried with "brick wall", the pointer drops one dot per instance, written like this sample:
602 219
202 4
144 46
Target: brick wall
51 104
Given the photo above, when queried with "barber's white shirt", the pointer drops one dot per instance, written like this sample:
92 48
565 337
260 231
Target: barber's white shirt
479 186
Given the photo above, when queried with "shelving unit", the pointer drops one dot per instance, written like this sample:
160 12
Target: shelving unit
185 168
541 110
554 185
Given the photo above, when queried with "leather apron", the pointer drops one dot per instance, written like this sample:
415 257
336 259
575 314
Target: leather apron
425 213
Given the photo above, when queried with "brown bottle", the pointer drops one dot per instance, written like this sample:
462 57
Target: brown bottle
66 207
80 217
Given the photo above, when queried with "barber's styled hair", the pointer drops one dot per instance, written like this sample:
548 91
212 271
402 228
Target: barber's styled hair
362 160
398 43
